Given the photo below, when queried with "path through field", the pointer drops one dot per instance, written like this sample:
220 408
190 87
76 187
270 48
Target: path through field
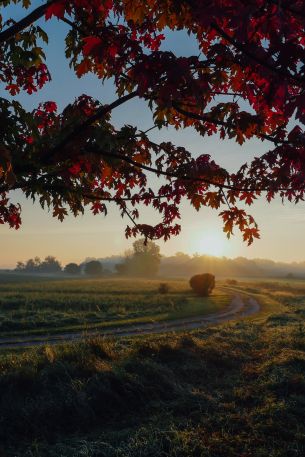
238 308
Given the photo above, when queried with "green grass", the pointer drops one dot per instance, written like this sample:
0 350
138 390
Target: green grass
226 391
52 306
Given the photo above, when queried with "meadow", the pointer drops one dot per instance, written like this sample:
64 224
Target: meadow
41 305
235 389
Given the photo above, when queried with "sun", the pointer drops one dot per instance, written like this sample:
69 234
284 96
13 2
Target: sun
211 243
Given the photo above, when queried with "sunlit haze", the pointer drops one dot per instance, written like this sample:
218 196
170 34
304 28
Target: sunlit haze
210 243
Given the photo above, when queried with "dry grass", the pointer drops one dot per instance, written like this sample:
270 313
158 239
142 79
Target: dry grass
40 306
226 391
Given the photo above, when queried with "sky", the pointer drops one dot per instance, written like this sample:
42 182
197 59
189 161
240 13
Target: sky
282 227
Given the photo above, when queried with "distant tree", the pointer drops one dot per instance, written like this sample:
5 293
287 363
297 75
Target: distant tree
72 269
20 266
143 260
93 268
163 288
290 276
231 282
31 266
182 256
122 268
203 284
50 265
37 262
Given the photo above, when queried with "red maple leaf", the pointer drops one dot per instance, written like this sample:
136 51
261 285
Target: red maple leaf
57 9
75 169
91 43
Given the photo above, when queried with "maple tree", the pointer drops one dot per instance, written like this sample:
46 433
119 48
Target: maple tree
247 82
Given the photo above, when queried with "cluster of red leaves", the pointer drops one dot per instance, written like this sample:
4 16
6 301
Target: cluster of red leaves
28 79
9 213
22 65
250 51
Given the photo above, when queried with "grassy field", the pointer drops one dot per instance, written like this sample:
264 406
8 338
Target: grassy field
234 390
33 305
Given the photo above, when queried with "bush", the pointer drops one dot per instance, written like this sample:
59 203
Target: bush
231 282
203 284
163 288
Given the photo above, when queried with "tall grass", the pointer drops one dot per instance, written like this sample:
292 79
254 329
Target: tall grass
71 304
226 391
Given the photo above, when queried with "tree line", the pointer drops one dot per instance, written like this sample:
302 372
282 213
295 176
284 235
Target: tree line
50 265
142 260
146 260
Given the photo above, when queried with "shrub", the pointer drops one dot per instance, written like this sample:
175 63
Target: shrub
231 282
203 284
163 288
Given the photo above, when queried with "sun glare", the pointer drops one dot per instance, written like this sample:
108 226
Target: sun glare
211 244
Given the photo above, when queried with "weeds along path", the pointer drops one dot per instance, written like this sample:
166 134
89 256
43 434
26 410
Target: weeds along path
238 308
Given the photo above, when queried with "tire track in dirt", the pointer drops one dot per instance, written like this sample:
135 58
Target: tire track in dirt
238 308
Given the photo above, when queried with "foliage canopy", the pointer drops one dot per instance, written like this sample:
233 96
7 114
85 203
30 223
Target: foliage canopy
247 82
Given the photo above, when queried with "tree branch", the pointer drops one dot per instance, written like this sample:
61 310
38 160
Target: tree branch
168 173
84 194
288 8
243 49
10 32
78 129
190 178
55 187
205 118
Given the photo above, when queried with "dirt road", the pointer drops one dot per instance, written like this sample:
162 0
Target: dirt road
238 308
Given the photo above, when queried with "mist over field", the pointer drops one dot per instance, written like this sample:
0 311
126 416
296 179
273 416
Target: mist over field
185 265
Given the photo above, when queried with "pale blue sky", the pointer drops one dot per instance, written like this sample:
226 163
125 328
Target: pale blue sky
282 227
